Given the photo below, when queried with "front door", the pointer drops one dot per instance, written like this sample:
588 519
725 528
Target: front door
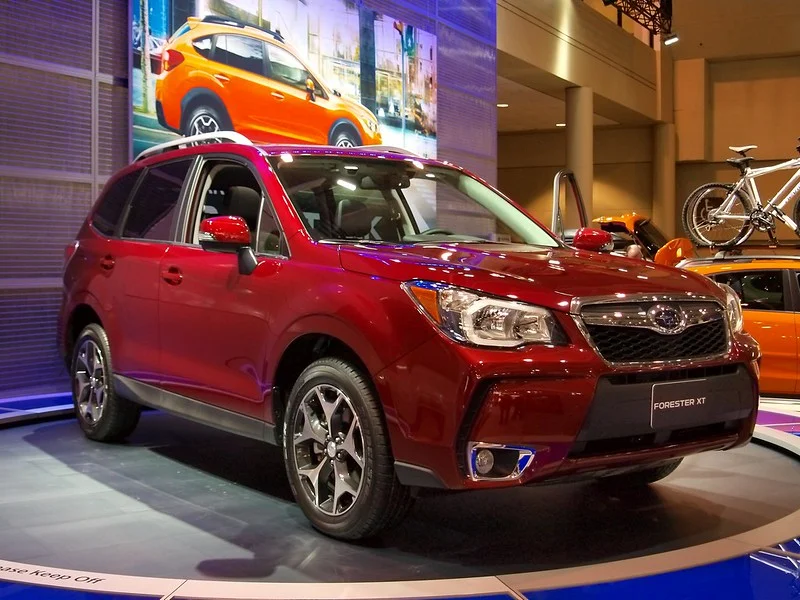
213 320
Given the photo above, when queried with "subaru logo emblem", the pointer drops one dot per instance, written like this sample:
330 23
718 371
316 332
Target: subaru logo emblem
665 318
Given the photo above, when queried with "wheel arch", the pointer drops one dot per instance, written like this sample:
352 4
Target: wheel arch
201 96
309 340
343 123
84 312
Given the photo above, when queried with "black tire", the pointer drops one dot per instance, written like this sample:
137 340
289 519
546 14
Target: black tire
641 477
380 501
93 390
206 119
345 136
720 191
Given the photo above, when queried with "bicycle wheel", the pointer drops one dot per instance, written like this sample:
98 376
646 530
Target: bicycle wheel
796 216
716 232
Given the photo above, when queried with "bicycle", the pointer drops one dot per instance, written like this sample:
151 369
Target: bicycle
715 206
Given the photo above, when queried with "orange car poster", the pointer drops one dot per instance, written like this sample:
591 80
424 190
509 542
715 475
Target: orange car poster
330 72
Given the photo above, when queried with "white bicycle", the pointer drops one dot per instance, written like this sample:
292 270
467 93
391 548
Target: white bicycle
721 214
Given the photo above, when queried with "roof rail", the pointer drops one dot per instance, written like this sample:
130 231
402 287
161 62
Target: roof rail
736 258
192 140
391 149
220 20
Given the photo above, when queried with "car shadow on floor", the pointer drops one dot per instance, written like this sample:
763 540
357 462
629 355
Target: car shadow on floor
219 490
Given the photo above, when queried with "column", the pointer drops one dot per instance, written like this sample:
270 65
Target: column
580 147
664 156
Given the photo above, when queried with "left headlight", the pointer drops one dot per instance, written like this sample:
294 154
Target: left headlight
470 317
733 308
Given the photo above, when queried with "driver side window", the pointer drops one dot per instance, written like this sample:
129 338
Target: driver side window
228 188
758 290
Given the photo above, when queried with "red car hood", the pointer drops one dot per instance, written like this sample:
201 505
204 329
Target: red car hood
548 277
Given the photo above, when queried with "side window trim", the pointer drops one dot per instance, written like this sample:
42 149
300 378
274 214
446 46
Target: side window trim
123 212
193 201
181 200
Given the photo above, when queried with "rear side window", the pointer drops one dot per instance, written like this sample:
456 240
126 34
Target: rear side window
155 205
106 217
203 46
758 290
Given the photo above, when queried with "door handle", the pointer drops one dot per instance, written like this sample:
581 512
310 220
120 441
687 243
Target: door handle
107 262
278 96
221 77
172 276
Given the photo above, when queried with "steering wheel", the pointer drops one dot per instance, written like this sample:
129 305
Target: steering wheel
434 230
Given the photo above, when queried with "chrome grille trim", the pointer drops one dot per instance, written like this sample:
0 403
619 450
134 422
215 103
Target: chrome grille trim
579 307
637 315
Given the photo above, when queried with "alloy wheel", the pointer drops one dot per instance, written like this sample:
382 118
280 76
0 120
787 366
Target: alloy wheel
345 143
89 382
328 447
204 124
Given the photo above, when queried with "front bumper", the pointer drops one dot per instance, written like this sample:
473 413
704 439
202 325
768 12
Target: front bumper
577 414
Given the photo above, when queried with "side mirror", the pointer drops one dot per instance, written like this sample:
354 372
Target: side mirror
594 240
224 233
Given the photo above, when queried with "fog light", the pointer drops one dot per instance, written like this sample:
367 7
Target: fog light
484 461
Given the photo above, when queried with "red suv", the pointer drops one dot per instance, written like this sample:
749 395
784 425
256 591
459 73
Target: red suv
394 323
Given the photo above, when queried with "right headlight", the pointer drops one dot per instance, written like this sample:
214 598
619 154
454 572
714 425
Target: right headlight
470 317
733 308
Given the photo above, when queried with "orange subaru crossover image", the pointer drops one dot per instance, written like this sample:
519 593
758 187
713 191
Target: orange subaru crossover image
221 74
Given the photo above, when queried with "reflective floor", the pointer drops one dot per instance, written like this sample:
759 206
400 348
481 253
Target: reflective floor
181 500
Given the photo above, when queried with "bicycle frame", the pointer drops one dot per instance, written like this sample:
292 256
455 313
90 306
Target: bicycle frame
775 204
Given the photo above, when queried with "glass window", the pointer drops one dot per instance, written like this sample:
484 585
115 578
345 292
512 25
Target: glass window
758 290
401 201
286 68
155 204
241 52
203 46
110 209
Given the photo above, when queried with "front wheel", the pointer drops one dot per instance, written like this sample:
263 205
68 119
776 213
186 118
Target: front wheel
337 453
705 229
345 137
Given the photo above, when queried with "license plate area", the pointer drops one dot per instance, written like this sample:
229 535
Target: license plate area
678 404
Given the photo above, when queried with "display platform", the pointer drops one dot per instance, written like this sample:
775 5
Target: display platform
183 511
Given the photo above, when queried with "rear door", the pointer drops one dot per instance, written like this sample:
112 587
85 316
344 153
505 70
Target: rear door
147 231
769 318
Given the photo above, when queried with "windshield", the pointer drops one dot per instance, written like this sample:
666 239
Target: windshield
392 201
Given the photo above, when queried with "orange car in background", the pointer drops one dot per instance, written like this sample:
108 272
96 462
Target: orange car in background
221 74
770 294
641 231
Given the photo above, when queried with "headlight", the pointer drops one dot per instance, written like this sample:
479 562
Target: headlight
370 123
733 308
470 317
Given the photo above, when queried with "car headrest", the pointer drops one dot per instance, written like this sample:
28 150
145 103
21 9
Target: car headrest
245 202
354 218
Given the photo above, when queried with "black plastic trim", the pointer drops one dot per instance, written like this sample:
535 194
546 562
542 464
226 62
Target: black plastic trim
416 476
194 410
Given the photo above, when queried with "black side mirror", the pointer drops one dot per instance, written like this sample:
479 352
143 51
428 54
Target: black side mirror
247 260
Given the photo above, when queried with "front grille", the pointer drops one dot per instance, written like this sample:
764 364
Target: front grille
636 344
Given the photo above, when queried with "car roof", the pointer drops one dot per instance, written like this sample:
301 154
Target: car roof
723 264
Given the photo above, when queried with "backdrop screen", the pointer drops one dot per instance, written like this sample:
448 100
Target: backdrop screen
297 71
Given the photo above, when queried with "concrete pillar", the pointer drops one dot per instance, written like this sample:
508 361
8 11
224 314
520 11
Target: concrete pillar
664 157
580 147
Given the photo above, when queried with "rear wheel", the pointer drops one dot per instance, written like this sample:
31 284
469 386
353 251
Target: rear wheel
642 477
705 230
337 453
102 414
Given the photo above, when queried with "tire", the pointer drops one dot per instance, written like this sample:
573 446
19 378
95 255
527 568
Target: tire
796 216
641 477
206 119
345 136
102 414
368 498
693 204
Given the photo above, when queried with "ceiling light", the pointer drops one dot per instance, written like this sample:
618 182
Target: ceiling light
670 39
502 105
561 124
346 185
